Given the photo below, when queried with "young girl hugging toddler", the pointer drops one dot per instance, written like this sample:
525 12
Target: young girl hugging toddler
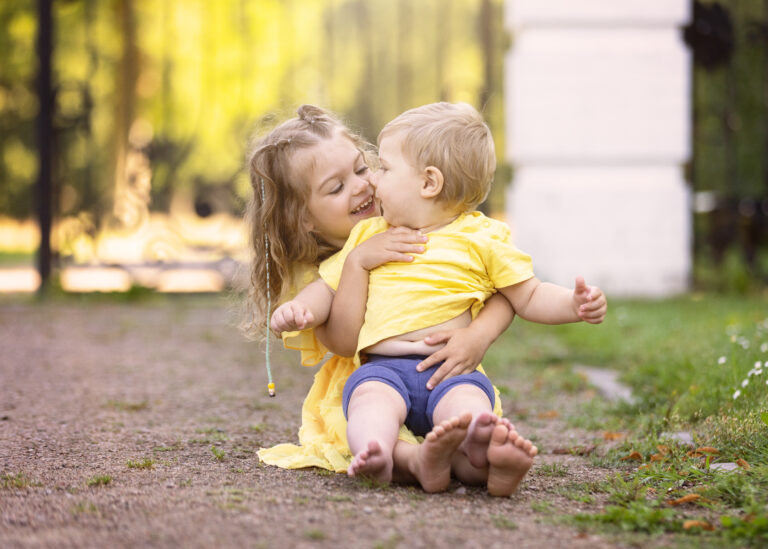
311 185
437 163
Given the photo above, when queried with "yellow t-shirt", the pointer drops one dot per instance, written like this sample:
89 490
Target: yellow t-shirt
464 263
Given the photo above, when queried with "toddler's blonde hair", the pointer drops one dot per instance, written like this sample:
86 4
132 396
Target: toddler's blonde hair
282 213
454 138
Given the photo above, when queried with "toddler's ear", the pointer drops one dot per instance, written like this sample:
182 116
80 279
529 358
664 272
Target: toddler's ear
433 182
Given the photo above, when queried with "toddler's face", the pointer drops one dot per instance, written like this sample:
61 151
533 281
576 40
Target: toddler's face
397 182
340 190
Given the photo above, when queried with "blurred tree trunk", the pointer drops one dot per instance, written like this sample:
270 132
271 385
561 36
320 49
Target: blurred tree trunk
125 96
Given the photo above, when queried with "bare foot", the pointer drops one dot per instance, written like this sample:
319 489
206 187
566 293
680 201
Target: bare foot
372 463
475 445
510 456
432 462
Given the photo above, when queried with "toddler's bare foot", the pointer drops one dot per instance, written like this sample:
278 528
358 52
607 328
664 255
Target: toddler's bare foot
432 463
373 463
510 456
475 445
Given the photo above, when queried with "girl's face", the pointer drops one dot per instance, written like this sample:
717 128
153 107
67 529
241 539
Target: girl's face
340 190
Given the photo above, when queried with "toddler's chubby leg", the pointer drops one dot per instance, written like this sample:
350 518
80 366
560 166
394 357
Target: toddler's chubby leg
374 415
510 456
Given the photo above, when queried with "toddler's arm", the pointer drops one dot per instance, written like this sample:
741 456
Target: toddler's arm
347 310
308 309
465 347
547 303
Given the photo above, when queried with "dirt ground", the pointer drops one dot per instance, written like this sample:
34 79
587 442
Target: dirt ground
141 392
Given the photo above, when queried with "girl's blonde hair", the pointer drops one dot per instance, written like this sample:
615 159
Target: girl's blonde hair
282 213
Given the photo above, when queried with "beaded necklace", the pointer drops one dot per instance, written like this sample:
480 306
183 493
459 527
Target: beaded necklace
270 383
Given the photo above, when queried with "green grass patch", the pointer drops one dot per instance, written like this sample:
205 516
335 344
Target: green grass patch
128 406
314 535
20 480
99 480
502 522
218 455
552 470
696 363
146 463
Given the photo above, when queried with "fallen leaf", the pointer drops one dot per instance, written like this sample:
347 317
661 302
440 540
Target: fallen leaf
694 454
658 457
634 455
663 450
549 414
610 435
685 499
704 525
707 450
575 450
644 466
743 464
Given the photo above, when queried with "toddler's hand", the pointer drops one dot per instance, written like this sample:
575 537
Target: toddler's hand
589 301
392 245
461 353
291 316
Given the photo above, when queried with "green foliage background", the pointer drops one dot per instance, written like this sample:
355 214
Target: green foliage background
189 82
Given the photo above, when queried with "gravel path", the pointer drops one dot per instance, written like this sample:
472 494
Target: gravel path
167 401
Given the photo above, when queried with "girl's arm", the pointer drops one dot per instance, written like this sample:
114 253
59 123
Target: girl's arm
347 310
547 303
465 347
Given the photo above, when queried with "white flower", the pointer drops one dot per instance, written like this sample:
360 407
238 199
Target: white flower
758 372
758 365
764 347
721 360
736 394
745 383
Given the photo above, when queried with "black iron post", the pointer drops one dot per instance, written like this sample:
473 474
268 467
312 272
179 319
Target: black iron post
44 139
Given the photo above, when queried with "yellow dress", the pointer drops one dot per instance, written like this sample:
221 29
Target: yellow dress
323 431
463 264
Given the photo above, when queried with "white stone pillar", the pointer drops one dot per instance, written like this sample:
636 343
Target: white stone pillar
598 129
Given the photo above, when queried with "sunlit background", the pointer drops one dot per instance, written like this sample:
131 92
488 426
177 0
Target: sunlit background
155 102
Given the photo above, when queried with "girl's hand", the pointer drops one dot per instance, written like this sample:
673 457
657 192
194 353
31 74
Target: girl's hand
291 316
589 301
392 245
462 352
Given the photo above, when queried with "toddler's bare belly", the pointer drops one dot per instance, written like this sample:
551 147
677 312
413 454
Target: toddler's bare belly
412 343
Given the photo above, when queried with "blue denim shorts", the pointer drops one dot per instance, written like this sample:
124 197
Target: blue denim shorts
399 372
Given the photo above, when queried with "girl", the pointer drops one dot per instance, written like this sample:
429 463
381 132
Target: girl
311 185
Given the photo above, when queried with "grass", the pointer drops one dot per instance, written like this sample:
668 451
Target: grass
695 364
127 406
99 480
146 463
18 481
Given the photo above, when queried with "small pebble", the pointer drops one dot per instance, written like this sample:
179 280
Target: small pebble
367 509
461 491
723 466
